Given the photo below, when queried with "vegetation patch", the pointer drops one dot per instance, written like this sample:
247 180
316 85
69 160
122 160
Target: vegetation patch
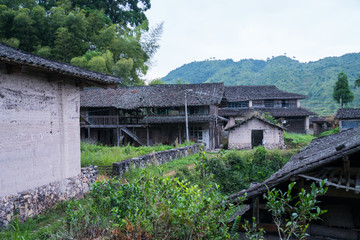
296 140
99 155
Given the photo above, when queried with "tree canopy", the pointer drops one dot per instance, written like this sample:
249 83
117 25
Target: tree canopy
112 37
342 93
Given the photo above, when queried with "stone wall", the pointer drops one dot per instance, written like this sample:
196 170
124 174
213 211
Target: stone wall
158 158
32 202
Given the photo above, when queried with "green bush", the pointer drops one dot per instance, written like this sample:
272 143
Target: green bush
159 207
329 132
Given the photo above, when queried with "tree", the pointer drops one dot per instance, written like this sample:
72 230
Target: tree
357 82
157 81
342 93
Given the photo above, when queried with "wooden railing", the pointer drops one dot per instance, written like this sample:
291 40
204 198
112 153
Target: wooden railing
113 120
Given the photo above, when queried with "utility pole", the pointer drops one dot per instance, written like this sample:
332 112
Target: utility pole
186 115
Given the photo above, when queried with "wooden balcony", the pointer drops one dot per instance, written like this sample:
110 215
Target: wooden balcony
112 120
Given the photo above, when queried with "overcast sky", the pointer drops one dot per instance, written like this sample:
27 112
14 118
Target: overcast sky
195 30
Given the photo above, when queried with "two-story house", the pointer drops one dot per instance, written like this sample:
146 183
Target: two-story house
148 115
241 101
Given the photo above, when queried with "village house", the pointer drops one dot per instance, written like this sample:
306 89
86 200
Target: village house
155 114
39 131
348 118
319 125
335 158
255 131
239 102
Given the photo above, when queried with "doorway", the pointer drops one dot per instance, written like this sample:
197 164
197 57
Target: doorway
256 138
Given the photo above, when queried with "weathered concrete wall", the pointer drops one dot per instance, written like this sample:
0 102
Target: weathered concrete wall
240 137
158 158
39 130
34 201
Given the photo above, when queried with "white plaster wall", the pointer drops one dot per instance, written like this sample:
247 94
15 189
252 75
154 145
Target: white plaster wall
39 131
240 137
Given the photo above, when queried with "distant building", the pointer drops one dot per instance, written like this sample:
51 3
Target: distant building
148 115
318 125
255 131
348 118
239 102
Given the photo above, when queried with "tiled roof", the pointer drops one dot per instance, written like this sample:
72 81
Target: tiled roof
178 119
319 152
166 95
348 113
14 56
245 93
250 118
275 112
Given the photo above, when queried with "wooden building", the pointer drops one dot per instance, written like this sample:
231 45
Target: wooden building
39 119
335 158
255 131
348 118
148 115
239 102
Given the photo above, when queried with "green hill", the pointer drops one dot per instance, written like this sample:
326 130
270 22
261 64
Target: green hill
314 79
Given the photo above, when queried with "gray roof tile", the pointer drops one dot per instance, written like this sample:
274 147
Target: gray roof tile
348 113
167 95
12 55
245 93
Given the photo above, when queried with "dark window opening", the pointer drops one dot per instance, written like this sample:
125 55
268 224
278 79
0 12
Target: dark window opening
269 103
196 133
285 103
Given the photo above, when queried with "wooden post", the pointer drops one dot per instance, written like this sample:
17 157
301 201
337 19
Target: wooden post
147 136
118 135
256 209
180 135
88 130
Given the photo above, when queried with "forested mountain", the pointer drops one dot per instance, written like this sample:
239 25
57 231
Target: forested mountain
314 79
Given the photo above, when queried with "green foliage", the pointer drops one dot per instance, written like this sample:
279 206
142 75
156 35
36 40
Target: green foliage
156 82
342 93
329 132
66 30
235 170
296 140
292 214
253 232
314 79
159 207
104 156
40 227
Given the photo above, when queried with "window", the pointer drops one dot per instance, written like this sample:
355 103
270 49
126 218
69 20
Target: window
269 103
196 133
285 103
194 110
241 104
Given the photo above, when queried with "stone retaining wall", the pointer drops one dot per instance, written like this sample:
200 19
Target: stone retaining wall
32 202
158 158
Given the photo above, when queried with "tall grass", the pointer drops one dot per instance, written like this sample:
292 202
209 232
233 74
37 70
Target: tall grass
296 140
103 155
